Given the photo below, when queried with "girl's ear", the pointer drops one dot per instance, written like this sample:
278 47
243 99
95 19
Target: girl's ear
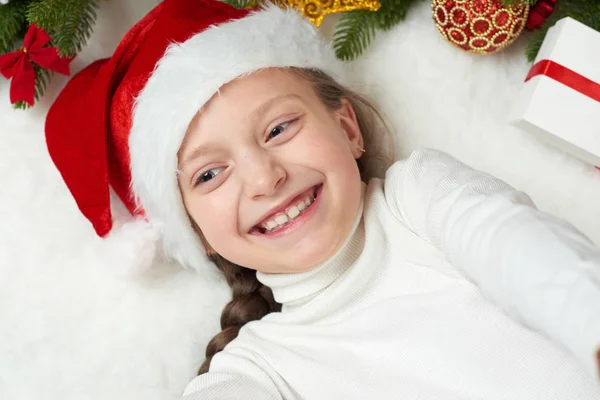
349 124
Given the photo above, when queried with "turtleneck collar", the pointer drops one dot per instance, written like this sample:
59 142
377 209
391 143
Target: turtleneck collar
299 288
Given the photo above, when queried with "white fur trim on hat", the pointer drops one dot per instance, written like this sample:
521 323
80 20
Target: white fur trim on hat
183 81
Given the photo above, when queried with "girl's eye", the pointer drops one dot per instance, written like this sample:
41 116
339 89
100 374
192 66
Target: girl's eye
279 129
207 176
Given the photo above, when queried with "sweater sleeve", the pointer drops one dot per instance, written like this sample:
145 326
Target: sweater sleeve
540 270
225 386
233 378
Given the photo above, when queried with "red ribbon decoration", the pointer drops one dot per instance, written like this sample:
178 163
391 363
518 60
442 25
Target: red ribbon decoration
17 65
567 77
539 13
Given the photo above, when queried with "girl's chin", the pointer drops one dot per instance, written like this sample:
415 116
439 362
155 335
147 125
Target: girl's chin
302 261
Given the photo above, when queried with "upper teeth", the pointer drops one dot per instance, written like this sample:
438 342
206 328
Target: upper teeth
289 215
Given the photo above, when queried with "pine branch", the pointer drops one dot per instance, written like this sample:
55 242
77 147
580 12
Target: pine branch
68 22
353 33
42 76
356 29
392 12
12 24
534 45
240 3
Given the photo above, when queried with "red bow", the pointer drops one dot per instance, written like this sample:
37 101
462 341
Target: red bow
17 65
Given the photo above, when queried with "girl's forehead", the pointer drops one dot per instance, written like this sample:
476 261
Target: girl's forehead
252 95
263 83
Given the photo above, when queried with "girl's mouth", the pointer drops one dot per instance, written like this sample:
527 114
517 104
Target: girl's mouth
295 214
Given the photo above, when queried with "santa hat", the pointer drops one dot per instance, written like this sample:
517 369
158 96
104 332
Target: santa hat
120 122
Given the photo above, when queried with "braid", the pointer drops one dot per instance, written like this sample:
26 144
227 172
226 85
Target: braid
251 301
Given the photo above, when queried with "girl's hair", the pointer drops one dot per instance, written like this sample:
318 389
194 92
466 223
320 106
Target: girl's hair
251 300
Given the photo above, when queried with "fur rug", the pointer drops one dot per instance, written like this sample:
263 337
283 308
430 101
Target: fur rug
74 326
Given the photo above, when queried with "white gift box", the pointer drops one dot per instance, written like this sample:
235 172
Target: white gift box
560 103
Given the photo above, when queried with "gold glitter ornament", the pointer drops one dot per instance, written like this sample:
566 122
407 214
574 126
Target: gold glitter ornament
316 10
479 26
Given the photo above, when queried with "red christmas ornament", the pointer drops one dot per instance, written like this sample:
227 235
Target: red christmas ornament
479 26
539 14
17 65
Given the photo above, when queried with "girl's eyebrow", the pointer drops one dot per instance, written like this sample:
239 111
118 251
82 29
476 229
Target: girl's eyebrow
198 151
264 107
255 114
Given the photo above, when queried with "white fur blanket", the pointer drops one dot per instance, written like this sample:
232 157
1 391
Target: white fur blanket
73 327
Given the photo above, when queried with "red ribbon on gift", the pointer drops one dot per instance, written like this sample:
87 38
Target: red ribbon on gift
17 65
567 77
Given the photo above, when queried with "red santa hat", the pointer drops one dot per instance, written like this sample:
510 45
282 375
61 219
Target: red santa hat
120 122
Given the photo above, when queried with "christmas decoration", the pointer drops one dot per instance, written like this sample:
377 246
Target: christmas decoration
356 29
70 22
479 26
316 10
67 24
560 100
584 11
539 13
18 64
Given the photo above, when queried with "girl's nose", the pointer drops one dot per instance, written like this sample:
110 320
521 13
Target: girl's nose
262 174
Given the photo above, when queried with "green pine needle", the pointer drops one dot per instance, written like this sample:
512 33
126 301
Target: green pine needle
20 105
240 3
13 24
392 12
534 45
356 29
353 33
69 22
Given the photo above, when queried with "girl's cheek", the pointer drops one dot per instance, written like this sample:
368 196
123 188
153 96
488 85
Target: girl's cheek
199 211
221 218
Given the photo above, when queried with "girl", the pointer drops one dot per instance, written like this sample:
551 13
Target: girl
232 134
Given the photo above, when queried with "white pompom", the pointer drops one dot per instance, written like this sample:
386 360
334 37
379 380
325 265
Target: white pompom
132 247
4 1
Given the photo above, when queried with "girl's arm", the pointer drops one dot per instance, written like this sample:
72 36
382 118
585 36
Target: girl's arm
538 269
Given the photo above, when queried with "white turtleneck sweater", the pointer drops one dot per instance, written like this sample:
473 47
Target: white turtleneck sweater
452 285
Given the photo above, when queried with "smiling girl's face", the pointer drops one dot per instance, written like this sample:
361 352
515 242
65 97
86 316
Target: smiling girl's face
269 175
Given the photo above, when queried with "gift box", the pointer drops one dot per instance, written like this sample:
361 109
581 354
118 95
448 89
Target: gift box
560 100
